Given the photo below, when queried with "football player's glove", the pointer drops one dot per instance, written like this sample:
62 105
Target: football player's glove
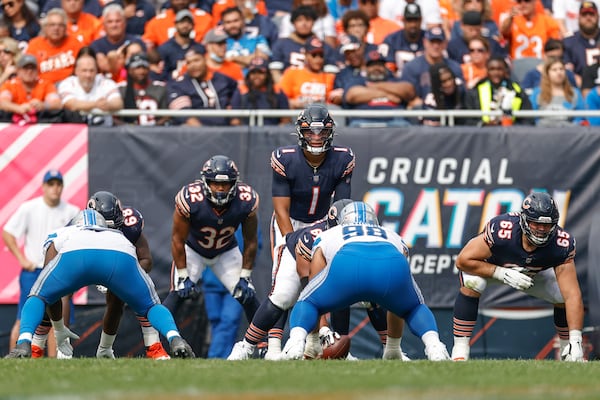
187 289
63 341
513 278
574 350
244 290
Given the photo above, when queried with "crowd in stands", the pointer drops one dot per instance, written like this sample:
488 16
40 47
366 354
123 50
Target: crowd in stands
67 60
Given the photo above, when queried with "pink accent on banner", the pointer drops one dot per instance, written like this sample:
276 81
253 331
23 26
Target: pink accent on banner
26 153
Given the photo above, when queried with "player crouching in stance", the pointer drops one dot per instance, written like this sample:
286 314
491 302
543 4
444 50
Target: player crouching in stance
359 260
85 253
531 253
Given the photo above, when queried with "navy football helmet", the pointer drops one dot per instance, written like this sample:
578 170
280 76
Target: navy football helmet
359 213
539 207
315 120
336 208
109 206
220 169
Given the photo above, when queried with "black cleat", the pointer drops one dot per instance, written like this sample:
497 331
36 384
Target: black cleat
22 350
181 349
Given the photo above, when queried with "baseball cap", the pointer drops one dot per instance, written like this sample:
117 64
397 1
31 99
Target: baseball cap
412 11
185 13
215 35
373 57
348 43
138 60
472 18
435 33
588 7
26 59
53 174
314 45
257 63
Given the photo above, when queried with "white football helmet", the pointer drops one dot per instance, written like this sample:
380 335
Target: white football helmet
358 212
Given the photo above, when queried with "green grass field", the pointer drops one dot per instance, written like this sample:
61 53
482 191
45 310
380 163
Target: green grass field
258 379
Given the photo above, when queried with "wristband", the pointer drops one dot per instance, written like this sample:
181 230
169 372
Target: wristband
182 273
246 273
575 335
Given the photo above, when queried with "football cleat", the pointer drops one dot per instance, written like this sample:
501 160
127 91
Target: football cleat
241 351
293 350
21 350
36 351
312 348
180 348
395 354
437 352
157 352
105 352
460 351
273 355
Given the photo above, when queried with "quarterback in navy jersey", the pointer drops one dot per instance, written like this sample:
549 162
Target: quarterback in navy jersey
305 176
207 213
529 252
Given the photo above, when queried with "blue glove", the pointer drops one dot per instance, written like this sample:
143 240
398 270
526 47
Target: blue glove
244 291
186 288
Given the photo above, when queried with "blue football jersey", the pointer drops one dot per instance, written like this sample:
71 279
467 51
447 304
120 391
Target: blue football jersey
303 239
310 189
212 229
504 236
397 49
133 224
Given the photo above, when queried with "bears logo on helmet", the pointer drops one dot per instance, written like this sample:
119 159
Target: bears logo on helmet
335 210
109 206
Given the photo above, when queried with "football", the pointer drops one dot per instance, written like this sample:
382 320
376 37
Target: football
338 349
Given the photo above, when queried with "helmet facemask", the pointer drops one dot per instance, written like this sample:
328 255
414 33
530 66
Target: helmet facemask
220 169
539 208
109 206
315 129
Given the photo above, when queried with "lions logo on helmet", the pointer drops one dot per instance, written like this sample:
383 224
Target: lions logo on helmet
220 169
315 120
539 207
334 212
109 206
358 213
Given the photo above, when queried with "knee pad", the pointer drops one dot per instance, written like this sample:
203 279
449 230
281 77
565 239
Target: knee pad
283 300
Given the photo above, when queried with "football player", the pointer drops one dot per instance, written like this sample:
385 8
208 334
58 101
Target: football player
528 251
305 177
84 253
207 213
358 260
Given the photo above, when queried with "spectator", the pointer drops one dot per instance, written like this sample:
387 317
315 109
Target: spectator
309 84
527 29
197 90
498 92
447 94
137 13
216 48
568 14
403 46
377 90
553 49
93 7
216 8
379 27
257 22
324 26
21 21
258 91
394 9
118 63
555 93
107 47
139 92
9 54
592 102
55 49
353 51
471 27
489 28
83 26
87 91
290 51
242 46
356 23
590 78
173 50
416 72
476 69
161 28
27 99
337 8
581 49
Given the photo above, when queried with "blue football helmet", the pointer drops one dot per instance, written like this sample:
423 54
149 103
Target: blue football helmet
220 169
109 206
333 215
358 213
315 120
539 207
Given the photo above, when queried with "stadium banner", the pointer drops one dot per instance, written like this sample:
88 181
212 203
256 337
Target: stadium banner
435 186
26 153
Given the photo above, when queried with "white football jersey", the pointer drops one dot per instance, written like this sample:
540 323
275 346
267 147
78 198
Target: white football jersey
73 238
332 240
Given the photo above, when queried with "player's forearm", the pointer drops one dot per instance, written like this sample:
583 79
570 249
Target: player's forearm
178 253
476 267
250 250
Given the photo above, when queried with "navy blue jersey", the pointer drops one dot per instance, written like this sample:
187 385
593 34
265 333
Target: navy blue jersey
310 189
398 50
187 93
416 72
212 230
144 12
303 239
504 236
133 224
25 34
287 52
458 50
172 54
265 27
153 96
581 52
103 46
259 100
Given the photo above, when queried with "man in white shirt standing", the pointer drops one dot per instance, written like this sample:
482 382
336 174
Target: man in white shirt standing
32 221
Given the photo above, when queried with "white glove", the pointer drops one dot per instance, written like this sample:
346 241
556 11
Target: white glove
327 337
512 278
101 289
63 343
573 351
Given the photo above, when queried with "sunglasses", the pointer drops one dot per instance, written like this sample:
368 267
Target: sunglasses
368 1
523 1
477 50
7 5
